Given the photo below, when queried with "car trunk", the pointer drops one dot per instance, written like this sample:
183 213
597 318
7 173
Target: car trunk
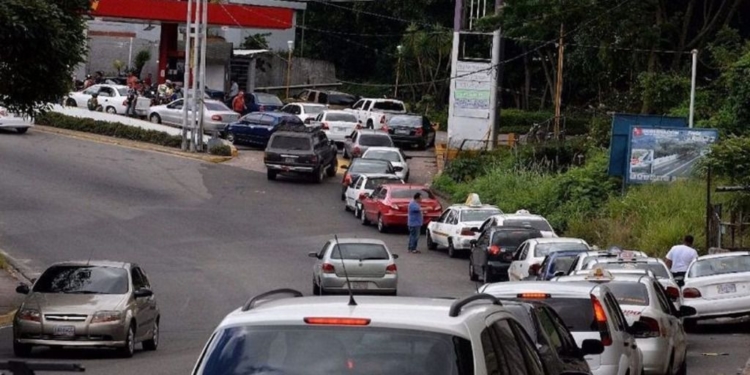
427 204
364 268
290 151
362 260
341 127
722 286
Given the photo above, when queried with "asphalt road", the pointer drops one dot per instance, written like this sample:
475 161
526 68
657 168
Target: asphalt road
209 236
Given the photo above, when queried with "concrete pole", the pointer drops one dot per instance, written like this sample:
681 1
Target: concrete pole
196 76
130 55
559 83
496 93
186 80
692 87
289 68
250 86
204 45
399 48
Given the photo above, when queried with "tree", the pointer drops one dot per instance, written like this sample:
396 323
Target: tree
141 58
42 42
118 65
256 41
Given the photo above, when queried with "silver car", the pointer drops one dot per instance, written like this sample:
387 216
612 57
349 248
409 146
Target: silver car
368 263
88 304
360 140
215 118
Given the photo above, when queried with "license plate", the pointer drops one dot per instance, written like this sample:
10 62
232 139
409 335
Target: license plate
727 288
290 160
403 131
360 285
340 129
65 331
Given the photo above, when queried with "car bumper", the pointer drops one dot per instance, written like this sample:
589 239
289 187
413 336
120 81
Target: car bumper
462 242
406 139
655 351
498 269
606 370
337 137
335 283
15 125
719 308
289 168
86 335
401 220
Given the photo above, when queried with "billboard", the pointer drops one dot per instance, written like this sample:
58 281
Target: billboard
664 153
618 145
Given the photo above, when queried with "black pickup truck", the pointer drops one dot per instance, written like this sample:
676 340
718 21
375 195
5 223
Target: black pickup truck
301 150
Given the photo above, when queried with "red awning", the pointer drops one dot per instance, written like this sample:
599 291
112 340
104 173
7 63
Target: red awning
175 11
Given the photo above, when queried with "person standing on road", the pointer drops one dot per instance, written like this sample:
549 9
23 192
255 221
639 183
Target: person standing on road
238 103
415 223
679 257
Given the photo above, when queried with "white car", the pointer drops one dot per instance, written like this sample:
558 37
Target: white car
366 183
113 98
336 124
534 251
521 218
304 110
454 228
393 155
19 123
718 286
654 265
215 117
584 259
590 313
643 298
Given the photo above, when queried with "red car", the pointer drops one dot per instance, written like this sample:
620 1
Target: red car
388 205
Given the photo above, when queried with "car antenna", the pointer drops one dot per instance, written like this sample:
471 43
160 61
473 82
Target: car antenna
352 302
90 254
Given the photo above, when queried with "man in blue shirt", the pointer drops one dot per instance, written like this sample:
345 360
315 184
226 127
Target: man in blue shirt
414 222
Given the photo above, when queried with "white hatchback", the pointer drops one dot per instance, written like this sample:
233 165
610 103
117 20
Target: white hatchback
19 123
366 183
393 155
454 229
113 98
718 285
534 251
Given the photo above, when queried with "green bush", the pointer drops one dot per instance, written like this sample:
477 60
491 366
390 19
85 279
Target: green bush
520 122
221 150
111 129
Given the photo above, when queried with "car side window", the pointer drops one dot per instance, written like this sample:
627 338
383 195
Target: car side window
426 123
322 251
451 219
568 342
615 312
548 326
303 95
375 192
484 240
146 283
366 105
358 105
382 194
91 90
444 216
492 357
319 117
514 356
534 364
138 281
107 92
296 110
322 98
664 303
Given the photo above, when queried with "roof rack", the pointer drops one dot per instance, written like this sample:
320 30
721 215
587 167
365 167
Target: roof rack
254 301
456 307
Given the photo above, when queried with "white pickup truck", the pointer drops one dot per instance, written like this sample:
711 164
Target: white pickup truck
373 112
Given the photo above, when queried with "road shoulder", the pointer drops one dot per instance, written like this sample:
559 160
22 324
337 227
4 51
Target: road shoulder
9 299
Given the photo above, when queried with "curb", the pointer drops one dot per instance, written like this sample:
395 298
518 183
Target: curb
7 319
746 371
18 269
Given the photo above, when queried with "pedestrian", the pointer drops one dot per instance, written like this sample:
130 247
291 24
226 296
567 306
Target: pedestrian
132 80
149 80
415 223
88 82
238 103
99 77
132 99
234 90
679 257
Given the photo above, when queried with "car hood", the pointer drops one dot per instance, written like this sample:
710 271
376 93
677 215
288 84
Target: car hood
74 303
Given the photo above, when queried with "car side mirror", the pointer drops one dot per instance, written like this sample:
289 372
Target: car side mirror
395 256
398 169
23 289
592 347
312 254
474 229
308 120
638 328
143 292
687 311
473 242
363 196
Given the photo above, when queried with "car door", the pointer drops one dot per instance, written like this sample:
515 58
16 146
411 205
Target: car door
436 227
450 226
671 323
519 352
107 97
380 200
325 148
173 113
153 310
352 192
369 204
319 260
620 337
142 310
83 97
516 266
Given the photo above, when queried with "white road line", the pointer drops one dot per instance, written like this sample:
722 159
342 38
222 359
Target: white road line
681 166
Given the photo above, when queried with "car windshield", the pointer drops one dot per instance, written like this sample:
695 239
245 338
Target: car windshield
291 143
513 238
340 117
532 223
478 215
561 263
335 350
313 109
267 99
543 249
384 155
720 266
659 270
123 91
629 293
361 251
372 183
409 193
83 280
341 99
216 106
375 140
370 166
410 121
577 313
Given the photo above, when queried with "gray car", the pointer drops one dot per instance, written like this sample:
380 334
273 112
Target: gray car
215 118
88 304
369 264
360 140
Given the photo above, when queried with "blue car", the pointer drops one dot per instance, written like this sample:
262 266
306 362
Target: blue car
557 264
256 128
262 102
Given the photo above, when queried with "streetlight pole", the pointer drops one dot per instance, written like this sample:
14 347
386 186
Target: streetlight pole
692 87
289 67
186 80
399 48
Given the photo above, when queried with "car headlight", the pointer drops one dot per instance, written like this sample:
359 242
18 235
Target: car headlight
30 315
106 317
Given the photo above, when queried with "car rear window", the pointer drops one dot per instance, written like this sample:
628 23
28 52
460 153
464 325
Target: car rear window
361 251
291 143
375 140
267 99
720 266
369 166
341 99
313 108
388 106
531 223
577 313
411 121
340 117
562 263
212 106
323 350
372 183
83 280
409 193
659 270
513 238
384 155
478 215
629 293
543 249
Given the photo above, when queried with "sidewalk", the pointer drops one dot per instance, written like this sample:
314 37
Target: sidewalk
9 299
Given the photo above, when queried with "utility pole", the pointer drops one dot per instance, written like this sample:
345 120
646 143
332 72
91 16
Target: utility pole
186 80
692 87
130 55
399 48
202 91
290 44
559 83
497 69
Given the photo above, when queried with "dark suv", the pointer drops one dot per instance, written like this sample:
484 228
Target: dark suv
305 151
492 253
411 129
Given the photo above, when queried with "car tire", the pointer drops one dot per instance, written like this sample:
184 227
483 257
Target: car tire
153 343
71 103
129 348
430 244
690 325
316 288
394 293
22 130
452 253
346 154
155 118
422 145
363 218
370 124
111 110
472 275
382 228
332 168
683 367
231 138
21 350
319 174
271 175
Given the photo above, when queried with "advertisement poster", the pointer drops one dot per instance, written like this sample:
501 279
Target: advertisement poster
666 154
472 90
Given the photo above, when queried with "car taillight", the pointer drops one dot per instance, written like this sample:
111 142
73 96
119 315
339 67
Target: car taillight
262 108
216 118
391 268
327 268
382 120
653 327
673 293
419 131
355 150
467 232
691 293
494 250
125 102
347 180
338 321
533 295
601 319
384 128
324 126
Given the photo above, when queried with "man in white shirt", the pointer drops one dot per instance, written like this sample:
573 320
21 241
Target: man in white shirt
679 257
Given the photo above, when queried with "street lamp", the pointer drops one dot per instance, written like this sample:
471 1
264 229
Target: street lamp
289 67
399 48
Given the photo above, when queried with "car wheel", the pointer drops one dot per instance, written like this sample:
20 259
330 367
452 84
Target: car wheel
690 325
111 110
316 288
231 138
22 130
129 348
382 228
21 350
346 154
430 244
271 175
451 250
683 367
370 124
319 175
333 168
363 217
155 119
153 343
472 275
71 103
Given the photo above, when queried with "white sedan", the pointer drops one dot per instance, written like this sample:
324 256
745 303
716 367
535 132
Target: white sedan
454 228
534 251
215 117
303 110
8 120
654 265
336 124
113 98
718 286
366 183
393 155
